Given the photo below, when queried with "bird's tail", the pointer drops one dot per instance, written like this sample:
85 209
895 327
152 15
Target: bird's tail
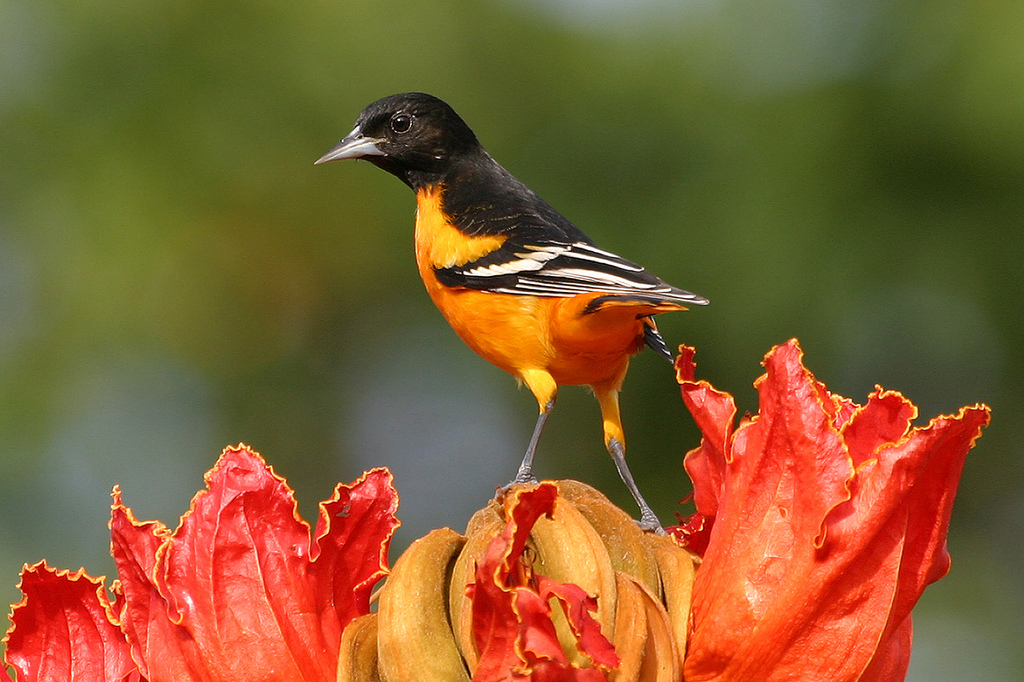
655 341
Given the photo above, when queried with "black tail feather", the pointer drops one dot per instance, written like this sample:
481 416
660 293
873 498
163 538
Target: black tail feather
654 340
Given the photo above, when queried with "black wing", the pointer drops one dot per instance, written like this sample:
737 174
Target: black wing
544 254
560 269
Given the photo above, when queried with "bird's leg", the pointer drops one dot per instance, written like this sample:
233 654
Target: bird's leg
615 441
648 519
525 473
543 387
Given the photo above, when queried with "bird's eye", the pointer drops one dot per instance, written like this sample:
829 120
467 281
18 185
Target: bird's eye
401 123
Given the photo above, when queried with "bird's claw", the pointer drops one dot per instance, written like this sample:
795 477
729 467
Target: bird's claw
649 523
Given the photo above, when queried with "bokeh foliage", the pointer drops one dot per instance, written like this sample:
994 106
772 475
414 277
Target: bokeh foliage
175 275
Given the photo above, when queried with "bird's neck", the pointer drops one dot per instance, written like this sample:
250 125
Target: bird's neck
466 169
480 185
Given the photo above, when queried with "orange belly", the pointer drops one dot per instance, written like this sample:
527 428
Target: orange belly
523 333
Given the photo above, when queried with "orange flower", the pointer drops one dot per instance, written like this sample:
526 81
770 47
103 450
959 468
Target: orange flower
238 592
823 522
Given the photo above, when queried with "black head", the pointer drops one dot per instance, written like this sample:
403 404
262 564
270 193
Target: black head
413 135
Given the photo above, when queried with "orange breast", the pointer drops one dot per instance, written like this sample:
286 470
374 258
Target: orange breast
519 333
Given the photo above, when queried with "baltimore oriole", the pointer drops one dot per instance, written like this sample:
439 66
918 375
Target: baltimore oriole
522 286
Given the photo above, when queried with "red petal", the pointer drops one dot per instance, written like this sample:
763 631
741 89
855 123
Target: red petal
693 532
134 545
838 408
577 606
686 368
940 450
63 629
714 412
236 592
350 546
788 469
886 418
523 508
537 640
512 623
907 492
495 623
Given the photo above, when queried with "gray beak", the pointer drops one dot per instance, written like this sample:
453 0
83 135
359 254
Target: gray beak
354 146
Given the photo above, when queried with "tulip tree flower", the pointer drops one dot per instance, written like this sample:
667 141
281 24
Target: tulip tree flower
820 522
240 591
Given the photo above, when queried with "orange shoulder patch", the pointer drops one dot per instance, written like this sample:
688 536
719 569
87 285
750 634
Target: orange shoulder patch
438 243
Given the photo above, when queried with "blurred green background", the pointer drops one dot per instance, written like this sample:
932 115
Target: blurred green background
177 276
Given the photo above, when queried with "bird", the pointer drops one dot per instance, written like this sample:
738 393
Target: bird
517 281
